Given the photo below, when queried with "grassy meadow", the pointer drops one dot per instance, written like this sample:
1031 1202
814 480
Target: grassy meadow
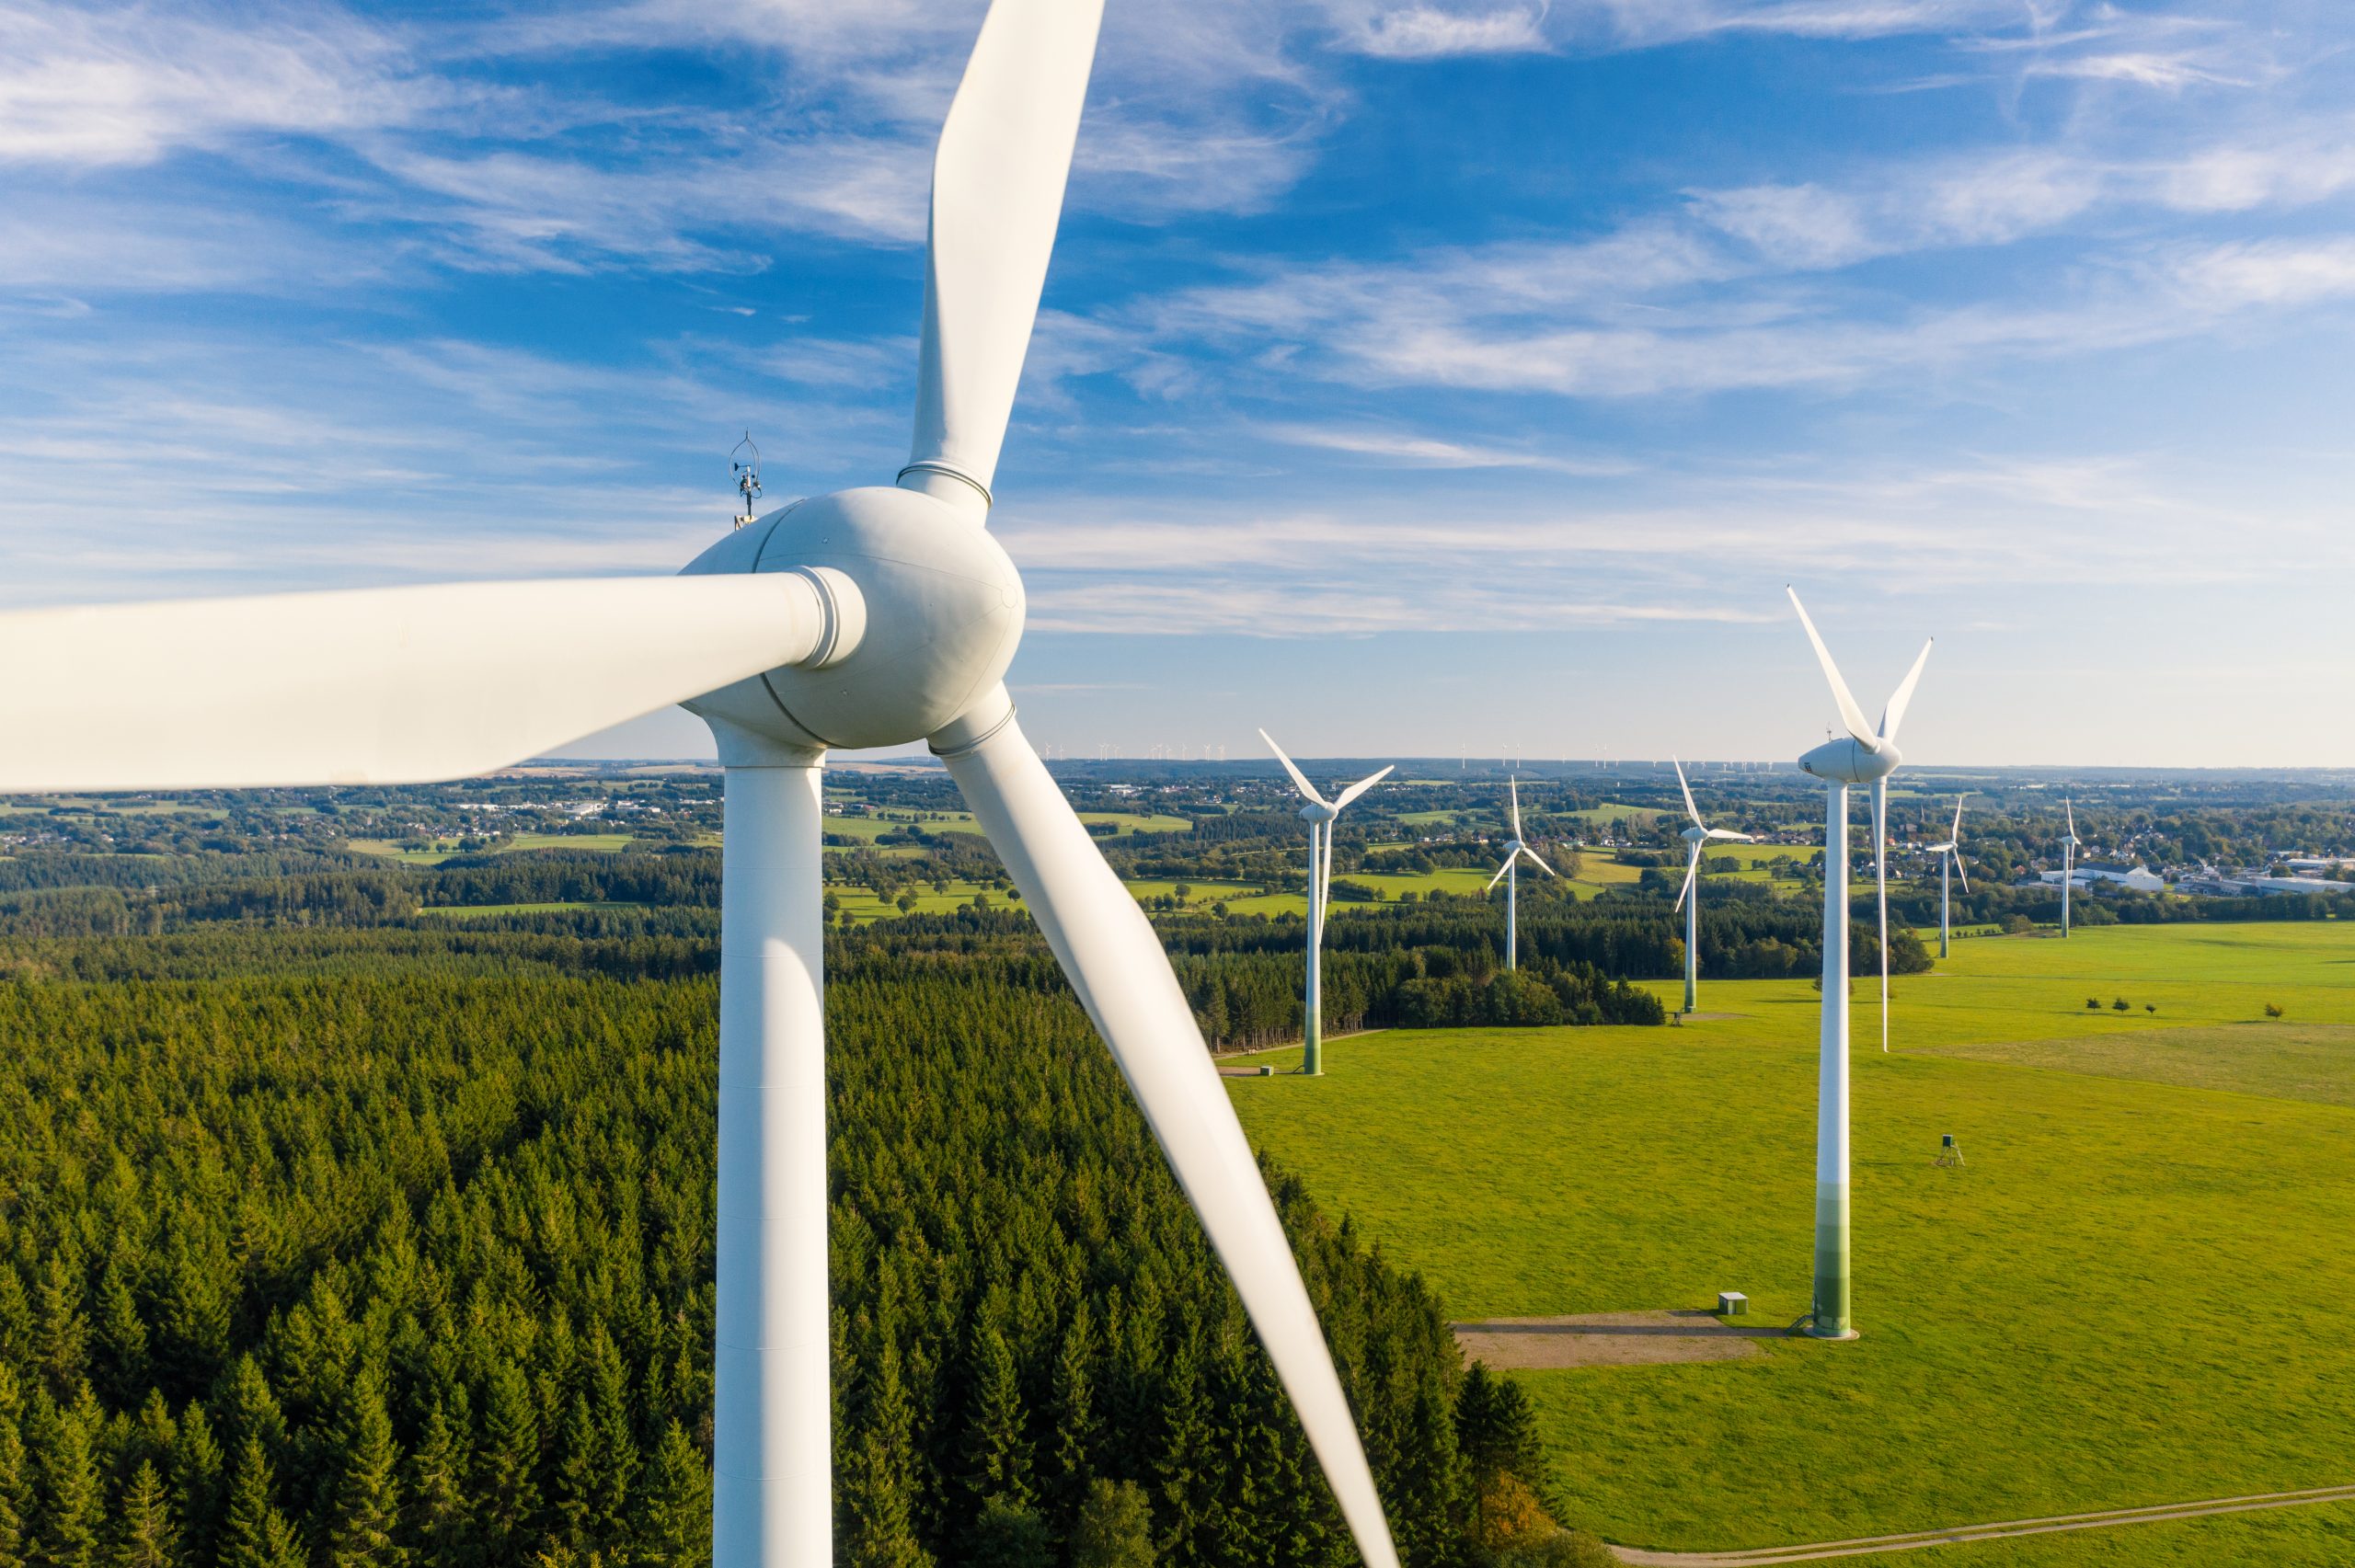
2127 1296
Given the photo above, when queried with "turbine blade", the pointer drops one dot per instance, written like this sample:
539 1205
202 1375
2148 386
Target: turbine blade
1513 784
1692 874
1880 880
1894 715
376 686
1360 787
997 197
1324 880
1499 876
1850 714
2073 819
1728 833
1540 862
1116 966
1690 809
1955 832
1958 871
1298 778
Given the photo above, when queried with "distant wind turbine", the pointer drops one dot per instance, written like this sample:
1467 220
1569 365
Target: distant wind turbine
1320 814
2068 864
1863 756
1950 866
1698 835
1506 873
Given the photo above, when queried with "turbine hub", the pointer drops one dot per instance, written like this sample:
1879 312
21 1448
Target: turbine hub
1846 761
942 611
1317 811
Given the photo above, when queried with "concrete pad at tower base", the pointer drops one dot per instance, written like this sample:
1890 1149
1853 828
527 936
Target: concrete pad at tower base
1608 1339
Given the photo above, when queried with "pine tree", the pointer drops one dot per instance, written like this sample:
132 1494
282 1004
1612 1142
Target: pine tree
62 1336
253 1409
367 1504
437 1515
675 1517
196 1465
1074 1411
68 1487
997 1449
879 1521
144 1535
508 1461
16 1484
254 1534
122 1336
599 1460
1496 1430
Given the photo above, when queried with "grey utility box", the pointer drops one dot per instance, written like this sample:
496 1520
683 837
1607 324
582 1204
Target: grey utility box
1732 1304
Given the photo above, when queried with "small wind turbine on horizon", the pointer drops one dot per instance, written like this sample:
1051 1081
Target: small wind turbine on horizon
1320 814
1507 874
1950 866
2068 863
1698 835
1864 755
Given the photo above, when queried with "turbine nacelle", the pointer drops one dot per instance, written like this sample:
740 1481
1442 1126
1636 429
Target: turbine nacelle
1850 761
925 605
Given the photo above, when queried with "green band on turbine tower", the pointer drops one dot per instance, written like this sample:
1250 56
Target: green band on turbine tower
1831 1308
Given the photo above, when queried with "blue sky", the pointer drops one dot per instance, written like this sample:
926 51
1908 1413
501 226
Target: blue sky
1412 375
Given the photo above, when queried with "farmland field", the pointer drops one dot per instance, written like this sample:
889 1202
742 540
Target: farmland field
2127 1296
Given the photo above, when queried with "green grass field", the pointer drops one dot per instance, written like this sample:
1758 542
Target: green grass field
2129 1296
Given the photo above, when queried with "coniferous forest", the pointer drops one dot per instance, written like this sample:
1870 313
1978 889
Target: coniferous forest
333 1241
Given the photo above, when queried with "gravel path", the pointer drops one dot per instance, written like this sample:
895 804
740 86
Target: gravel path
1866 1546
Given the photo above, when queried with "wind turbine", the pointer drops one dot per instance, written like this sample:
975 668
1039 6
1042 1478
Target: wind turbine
1950 866
2068 864
1698 835
1864 756
867 618
1510 877
1320 813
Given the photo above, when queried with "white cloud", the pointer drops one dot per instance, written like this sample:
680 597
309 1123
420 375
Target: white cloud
1408 449
81 87
2269 273
1425 31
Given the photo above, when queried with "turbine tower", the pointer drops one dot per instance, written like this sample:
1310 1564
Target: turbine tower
1950 866
1864 756
870 617
1320 813
2068 864
1698 835
1506 873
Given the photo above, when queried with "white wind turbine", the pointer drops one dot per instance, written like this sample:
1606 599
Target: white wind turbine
2068 863
1320 813
872 617
1950 866
1698 835
1865 756
1515 851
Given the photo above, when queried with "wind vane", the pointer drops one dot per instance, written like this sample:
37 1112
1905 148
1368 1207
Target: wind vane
748 475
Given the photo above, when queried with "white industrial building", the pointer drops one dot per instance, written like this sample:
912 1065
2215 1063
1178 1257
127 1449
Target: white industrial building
2088 874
